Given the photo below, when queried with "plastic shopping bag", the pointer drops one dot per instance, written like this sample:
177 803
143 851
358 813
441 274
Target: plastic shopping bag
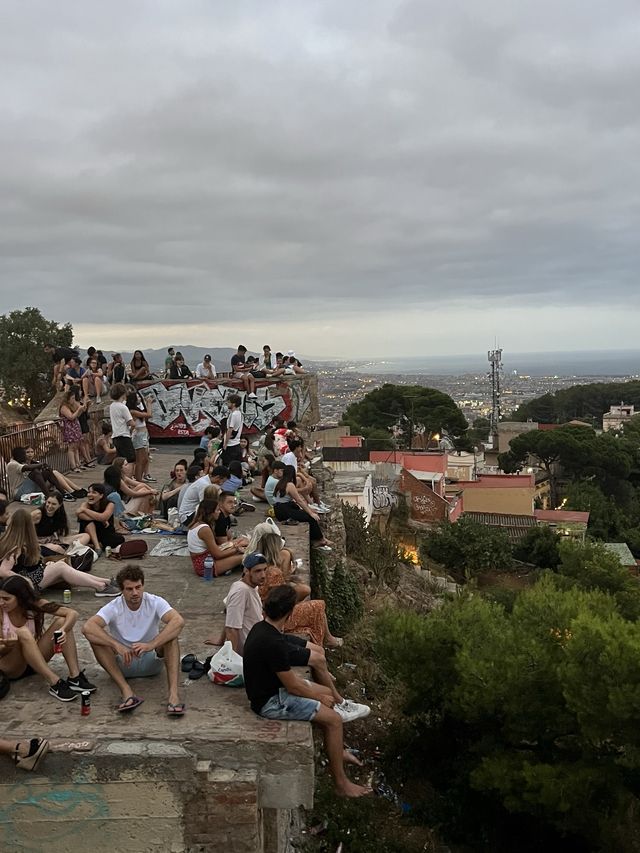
226 667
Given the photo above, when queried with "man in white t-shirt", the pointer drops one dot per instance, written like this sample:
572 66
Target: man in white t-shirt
195 492
142 636
231 441
121 423
206 369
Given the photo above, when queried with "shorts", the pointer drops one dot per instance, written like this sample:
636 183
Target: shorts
140 439
26 487
124 446
145 666
299 654
284 706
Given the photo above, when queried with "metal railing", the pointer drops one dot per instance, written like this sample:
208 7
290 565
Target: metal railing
47 442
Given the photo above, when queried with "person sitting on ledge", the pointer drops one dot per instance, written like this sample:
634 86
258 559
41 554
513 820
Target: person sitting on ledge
179 370
139 368
241 370
277 693
26 647
93 385
135 636
202 544
194 493
206 369
289 505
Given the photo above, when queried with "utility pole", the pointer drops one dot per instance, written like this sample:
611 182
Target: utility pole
495 360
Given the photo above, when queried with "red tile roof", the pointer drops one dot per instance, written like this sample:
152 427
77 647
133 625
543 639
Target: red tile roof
560 515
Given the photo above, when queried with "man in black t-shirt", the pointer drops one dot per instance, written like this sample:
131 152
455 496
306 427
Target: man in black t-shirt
241 370
277 693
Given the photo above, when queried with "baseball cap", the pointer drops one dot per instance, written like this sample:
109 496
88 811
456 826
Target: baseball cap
250 561
207 358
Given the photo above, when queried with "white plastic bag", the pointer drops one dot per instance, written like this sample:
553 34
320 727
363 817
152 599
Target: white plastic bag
275 527
226 667
33 499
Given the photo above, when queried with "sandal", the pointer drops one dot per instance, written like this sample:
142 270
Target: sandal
129 704
176 710
38 748
199 668
187 663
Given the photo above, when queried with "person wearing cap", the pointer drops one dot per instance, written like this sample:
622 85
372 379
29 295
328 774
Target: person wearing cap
277 693
206 369
244 610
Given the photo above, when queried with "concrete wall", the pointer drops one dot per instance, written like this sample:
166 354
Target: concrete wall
509 500
133 798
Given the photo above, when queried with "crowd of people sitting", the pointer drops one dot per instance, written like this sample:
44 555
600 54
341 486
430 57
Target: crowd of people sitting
90 381
270 619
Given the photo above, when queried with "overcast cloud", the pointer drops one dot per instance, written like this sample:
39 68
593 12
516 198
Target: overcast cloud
380 176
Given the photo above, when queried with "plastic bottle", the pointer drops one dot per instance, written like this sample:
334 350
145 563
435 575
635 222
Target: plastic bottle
208 567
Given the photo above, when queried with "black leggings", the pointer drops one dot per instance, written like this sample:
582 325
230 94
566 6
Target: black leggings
290 509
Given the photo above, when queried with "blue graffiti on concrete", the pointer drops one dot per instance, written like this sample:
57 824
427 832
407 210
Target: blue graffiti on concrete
26 806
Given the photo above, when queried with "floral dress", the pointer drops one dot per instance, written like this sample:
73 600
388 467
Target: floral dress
307 617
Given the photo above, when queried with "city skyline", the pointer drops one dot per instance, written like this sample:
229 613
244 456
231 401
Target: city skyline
395 174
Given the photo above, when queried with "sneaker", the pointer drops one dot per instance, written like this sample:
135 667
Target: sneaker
98 401
252 396
62 691
68 496
80 493
81 683
326 549
149 478
110 590
350 711
321 509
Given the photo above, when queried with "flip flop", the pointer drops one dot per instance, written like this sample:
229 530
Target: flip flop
187 663
129 704
176 710
199 668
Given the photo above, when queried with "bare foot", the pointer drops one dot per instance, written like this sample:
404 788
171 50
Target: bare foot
349 758
350 789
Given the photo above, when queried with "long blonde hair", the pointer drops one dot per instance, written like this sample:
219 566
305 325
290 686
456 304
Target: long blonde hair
20 537
265 541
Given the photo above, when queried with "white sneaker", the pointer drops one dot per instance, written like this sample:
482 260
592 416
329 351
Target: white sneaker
252 396
319 508
350 711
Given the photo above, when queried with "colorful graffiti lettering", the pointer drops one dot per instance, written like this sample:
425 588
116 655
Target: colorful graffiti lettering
188 408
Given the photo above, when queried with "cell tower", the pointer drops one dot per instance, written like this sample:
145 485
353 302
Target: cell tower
495 360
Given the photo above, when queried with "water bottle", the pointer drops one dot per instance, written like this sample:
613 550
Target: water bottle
208 567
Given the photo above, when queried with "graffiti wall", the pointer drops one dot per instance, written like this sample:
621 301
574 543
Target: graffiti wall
184 409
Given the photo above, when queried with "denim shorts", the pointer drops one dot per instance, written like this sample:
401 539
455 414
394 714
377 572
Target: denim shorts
284 706
140 439
146 665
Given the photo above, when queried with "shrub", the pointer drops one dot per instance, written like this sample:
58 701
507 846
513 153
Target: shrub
466 548
341 593
535 711
366 545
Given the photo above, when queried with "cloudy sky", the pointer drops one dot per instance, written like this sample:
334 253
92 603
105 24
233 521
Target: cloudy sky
357 176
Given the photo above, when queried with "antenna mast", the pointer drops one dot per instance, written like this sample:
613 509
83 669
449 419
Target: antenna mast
495 360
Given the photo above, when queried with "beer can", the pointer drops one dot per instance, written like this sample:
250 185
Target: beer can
85 703
107 551
57 647
66 596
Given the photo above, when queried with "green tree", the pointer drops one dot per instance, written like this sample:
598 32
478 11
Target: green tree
582 402
605 518
466 548
539 546
591 566
412 408
529 715
25 369
479 432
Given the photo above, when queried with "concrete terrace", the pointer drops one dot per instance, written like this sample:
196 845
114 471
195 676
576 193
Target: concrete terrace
143 781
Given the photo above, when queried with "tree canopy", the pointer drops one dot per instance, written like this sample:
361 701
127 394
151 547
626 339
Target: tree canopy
529 714
411 407
582 402
467 548
25 368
